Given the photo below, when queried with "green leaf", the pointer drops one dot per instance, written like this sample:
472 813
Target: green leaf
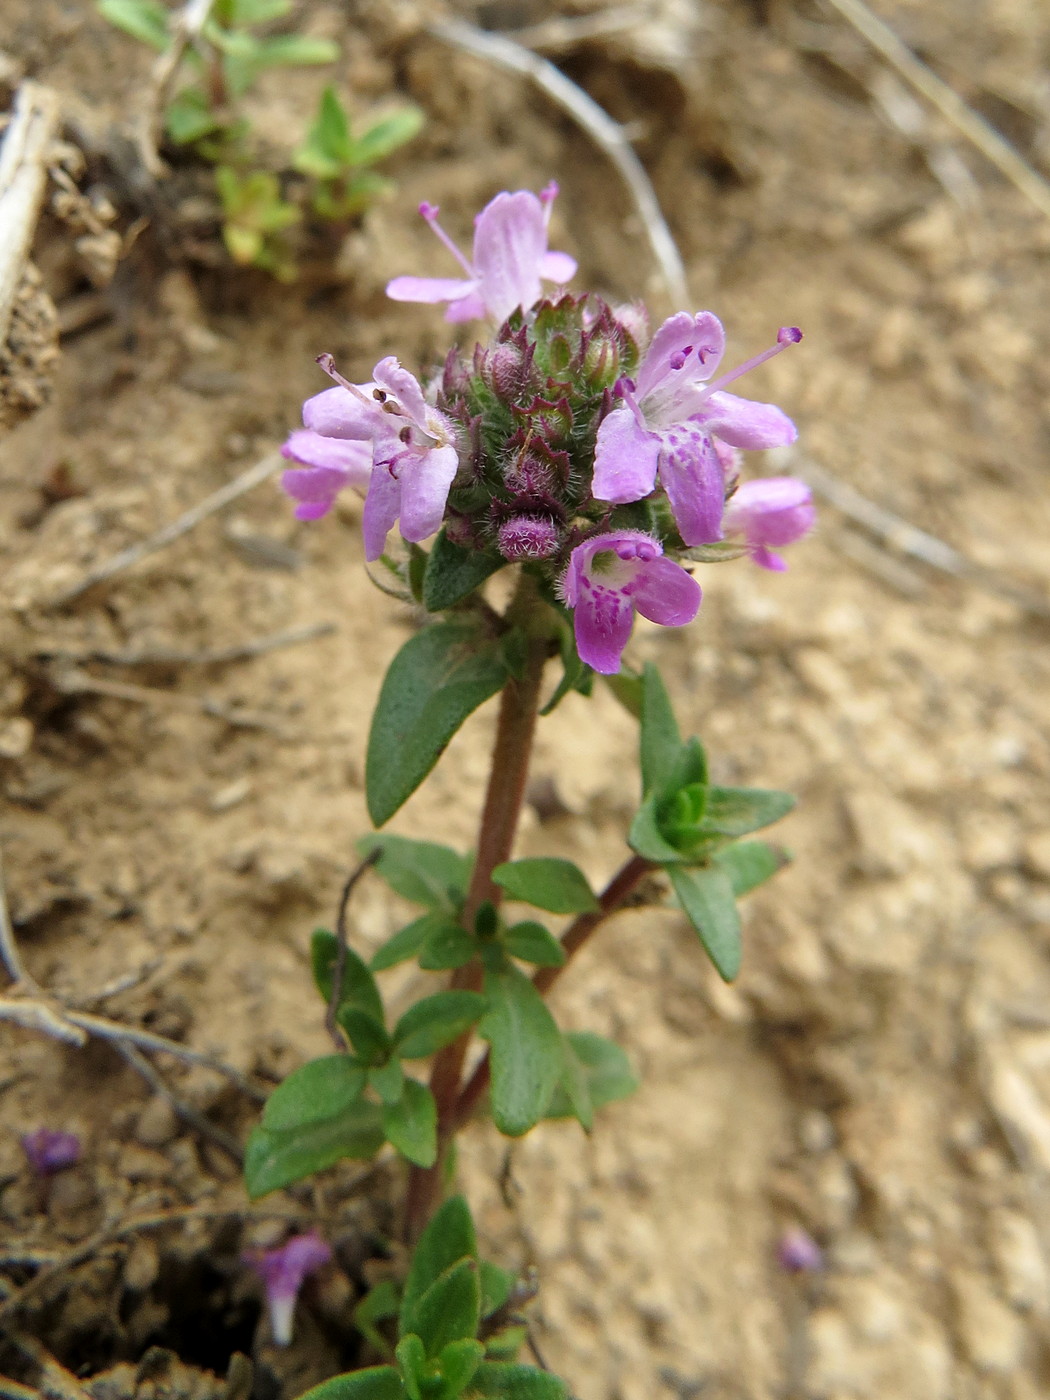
327 149
508 1381
412 1358
249 12
627 687
738 811
382 137
576 675
378 1304
453 573
574 1088
533 943
436 1021
295 51
145 20
388 1080
749 864
555 885
189 117
407 942
448 946
660 739
526 1048
607 1071
373 1383
421 871
439 677
458 1362
449 1310
411 1124
359 987
367 1035
646 838
317 1090
706 895
446 1240
496 1287
273 1160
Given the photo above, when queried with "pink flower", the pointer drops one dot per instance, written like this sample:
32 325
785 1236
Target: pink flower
282 1272
384 437
510 258
613 576
774 510
674 416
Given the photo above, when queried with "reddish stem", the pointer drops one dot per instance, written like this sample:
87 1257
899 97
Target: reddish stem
610 901
499 822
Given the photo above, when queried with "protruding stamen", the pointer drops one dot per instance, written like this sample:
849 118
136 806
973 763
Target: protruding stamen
327 363
430 213
678 359
787 335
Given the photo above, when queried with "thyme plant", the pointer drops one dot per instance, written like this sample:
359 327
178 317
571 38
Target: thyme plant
597 462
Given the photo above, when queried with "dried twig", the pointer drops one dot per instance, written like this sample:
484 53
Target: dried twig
908 539
188 24
246 481
331 1024
197 1120
175 656
595 121
70 680
565 31
12 958
947 101
23 179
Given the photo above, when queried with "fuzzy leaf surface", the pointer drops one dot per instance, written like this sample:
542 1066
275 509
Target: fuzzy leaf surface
548 883
273 1160
706 895
420 871
526 1046
438 678
411 1124
320 1089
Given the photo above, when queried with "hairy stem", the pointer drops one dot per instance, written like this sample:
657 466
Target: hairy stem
610 901
519 704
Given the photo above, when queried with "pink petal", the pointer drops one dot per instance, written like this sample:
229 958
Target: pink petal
602 622
625 458
337 413
665 593
350 456
424 490
403 386
428 289
469 308
557 267
381 510
746 423
773 510
692 476
766 559
510 240
314 488
678 333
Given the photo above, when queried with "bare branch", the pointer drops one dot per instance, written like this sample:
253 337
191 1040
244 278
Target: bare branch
947 101
23 180
188 24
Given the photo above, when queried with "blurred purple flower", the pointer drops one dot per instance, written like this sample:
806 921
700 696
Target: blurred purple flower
775 510
282 1272
613 576
510 259
798 1252
382 437
674 417
49 1151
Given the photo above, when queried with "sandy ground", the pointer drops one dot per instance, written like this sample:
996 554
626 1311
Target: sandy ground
880 1074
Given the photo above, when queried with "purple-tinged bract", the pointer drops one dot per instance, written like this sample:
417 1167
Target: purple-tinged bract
612 576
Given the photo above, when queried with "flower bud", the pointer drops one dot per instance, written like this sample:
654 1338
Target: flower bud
527 537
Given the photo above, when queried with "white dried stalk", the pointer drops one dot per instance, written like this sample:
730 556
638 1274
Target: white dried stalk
23 179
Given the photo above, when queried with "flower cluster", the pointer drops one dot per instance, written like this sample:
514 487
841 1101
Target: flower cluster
563 444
